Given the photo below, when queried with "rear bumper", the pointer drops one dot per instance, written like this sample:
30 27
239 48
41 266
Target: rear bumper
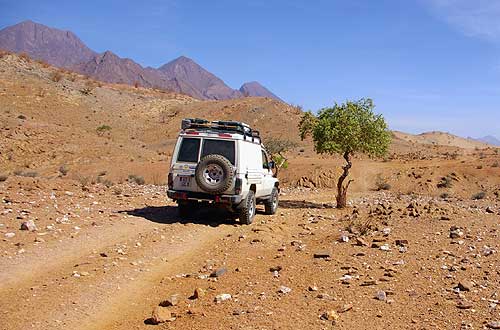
197 196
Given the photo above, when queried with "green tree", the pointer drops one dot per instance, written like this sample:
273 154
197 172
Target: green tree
346 129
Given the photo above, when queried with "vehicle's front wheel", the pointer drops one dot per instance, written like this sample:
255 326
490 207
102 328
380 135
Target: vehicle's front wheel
271 205
247 211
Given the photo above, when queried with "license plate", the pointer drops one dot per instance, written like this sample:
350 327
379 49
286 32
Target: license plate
185 180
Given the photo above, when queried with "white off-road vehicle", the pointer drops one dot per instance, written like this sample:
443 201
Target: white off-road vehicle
222 163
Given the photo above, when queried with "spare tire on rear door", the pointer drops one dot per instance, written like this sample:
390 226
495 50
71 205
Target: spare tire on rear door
214 174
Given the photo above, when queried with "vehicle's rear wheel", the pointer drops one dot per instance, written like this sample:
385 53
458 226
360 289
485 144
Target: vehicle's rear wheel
271 205
247 211
214 174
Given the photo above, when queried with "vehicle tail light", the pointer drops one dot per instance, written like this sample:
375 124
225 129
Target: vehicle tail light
237 186
225 135
170 181
180 195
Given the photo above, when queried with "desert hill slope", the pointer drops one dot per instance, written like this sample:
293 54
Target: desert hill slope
52 118
442 139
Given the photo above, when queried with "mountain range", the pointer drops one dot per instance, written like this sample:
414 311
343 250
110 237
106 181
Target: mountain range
64 49
490 139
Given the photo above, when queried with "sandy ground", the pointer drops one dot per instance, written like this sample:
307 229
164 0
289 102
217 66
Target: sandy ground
103 259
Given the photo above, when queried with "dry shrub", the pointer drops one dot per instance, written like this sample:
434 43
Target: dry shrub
360 226
479 195
132 178
56 76
446 182
381 183
108 183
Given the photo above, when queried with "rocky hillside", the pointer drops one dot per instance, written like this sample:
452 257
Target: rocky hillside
64 49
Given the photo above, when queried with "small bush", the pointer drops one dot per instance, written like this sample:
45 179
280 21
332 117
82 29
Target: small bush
446 182
445 195
479 167
108 183
136 84
381 183
479 195
3 177
136 179
23 117
495 164
101 130
56 76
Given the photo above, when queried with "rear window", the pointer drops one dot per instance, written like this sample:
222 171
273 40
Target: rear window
219 147
189 150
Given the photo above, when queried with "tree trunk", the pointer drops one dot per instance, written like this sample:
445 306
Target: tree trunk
341 189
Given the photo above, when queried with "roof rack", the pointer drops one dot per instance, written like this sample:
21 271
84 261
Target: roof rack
221 126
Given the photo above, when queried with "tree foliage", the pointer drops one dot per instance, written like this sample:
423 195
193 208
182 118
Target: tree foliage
350 127
346 129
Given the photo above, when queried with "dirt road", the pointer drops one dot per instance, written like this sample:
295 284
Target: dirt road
105 257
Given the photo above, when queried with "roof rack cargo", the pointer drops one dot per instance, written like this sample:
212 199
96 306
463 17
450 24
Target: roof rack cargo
221 126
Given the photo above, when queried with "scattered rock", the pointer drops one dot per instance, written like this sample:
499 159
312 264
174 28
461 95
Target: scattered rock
465 286
462 304
456 232
344 238
312 288
10 235
322 254
330 315
28 225
345 308
173 300
381 295
222 297
385 247
219 272
361 242
283 289
275 269
199 293
401 242
489 210
494 325
161 315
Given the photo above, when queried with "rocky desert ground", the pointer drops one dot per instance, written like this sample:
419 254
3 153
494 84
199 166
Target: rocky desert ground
89 239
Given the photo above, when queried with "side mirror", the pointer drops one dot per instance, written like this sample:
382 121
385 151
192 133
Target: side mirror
271 164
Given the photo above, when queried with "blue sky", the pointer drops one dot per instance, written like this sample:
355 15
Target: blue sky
428 64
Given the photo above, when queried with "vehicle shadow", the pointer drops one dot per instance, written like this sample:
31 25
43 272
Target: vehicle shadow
168 215
294 204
